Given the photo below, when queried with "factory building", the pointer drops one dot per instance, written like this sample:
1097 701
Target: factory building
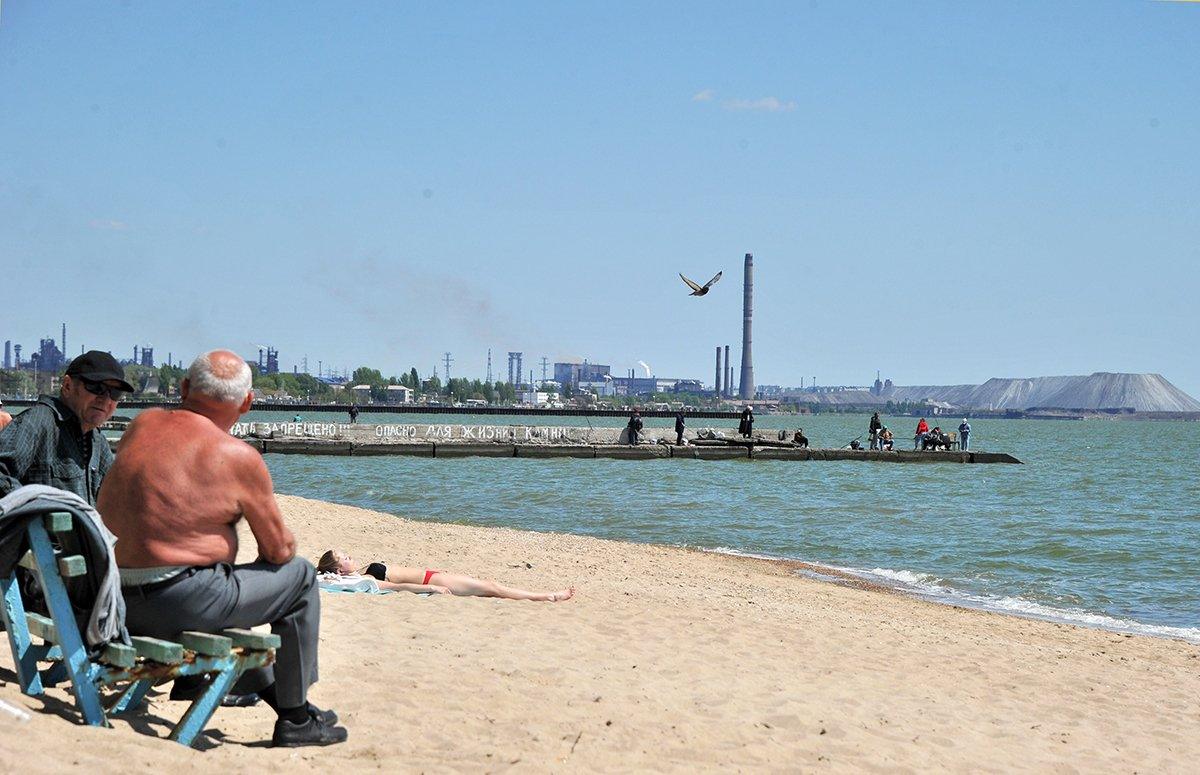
574 373
48 357
269 364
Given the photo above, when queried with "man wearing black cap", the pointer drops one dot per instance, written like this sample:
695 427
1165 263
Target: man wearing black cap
57 441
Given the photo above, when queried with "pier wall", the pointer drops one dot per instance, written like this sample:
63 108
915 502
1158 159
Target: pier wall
456 441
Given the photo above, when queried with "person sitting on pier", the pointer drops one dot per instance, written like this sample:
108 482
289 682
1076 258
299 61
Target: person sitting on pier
919 436
886 439
800 439
936 440
336 563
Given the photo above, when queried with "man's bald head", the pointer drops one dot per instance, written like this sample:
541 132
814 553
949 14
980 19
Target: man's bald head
220 375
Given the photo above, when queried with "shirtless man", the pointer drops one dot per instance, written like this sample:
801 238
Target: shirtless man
173 497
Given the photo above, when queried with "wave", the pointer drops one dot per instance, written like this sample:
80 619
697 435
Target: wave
936 589
931 587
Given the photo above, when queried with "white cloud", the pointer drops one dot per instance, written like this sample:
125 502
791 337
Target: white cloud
106 224
765 104
704 96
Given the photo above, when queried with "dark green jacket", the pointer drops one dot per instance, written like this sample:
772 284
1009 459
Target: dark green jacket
45 445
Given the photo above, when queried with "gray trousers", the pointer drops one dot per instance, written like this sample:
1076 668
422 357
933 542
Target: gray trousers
209 599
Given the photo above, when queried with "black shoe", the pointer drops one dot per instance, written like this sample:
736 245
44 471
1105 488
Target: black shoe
232 700
187 688
327 717
311 732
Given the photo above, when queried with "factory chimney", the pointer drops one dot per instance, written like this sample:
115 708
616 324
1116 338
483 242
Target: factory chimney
728 375
719 370
746 384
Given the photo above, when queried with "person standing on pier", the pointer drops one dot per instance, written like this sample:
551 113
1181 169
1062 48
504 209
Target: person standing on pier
679 428
746 424
635 427
874 429
353 413
964 435
922 430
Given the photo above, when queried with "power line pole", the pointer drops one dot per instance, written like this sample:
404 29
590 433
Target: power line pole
489 379
545 363
447 360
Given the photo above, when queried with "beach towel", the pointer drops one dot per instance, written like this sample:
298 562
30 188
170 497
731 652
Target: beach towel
336 582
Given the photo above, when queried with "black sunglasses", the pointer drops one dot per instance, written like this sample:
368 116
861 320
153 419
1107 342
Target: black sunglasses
100 389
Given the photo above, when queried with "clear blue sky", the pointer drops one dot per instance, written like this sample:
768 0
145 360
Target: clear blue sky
943 191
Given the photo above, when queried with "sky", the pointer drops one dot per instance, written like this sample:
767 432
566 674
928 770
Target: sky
944 192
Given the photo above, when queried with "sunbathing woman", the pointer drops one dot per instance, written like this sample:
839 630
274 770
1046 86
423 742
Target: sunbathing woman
435 581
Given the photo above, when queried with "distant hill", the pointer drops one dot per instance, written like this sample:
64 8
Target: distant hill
1102 390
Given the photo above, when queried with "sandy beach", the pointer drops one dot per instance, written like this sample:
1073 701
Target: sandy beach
666 660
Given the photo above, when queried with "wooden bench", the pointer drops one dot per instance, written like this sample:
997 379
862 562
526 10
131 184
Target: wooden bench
117 680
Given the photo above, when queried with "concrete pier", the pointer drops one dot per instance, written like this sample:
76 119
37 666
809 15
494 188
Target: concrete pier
533 441
619 452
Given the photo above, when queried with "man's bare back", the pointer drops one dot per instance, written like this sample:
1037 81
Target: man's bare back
178 487
174 495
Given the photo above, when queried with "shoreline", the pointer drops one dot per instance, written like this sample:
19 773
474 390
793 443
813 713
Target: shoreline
668 658
949 596
892 582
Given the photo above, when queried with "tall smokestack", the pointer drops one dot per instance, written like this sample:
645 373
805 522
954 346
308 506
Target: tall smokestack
728 375
719 370
64 341
746 384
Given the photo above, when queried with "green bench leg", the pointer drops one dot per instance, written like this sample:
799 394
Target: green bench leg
131 697
24 654
197 716
75 658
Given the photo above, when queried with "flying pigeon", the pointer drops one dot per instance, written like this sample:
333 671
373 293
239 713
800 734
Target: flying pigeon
696 289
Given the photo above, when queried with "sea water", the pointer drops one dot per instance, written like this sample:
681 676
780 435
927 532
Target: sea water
1100 526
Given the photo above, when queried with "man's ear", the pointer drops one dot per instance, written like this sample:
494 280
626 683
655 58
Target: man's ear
185 387
245 407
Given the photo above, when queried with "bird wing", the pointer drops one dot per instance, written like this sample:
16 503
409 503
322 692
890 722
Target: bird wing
691 284
709 284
